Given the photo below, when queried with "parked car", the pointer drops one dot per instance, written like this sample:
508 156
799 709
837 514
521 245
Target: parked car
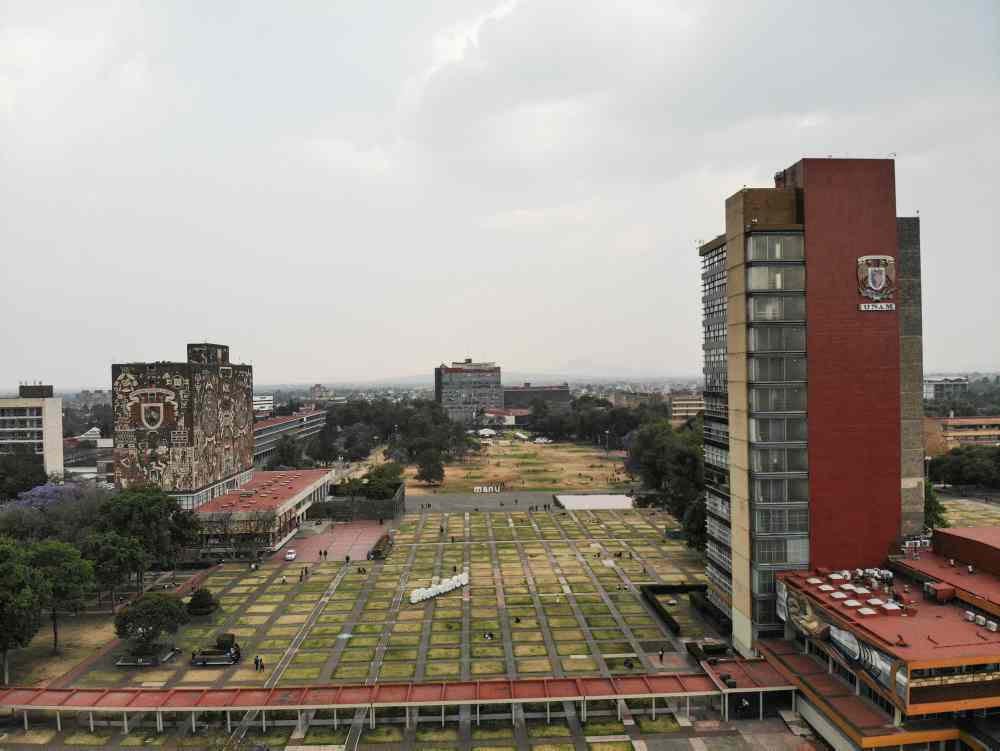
291 555
225 652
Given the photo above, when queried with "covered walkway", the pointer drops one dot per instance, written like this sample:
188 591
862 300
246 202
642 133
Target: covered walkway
128 701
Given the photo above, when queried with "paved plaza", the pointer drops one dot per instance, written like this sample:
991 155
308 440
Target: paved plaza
551 593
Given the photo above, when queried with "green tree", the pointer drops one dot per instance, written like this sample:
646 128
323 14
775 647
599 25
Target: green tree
69 576
146 619
934 511
286 453
23 593
153 518
539 411
968 465
115 557
694 523
670 463
20 470
430 469
202 602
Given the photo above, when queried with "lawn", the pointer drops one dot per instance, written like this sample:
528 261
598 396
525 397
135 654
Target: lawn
79 638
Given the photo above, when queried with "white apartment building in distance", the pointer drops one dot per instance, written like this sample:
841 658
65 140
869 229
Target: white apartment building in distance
33 420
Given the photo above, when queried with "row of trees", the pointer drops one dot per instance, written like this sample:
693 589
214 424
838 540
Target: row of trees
670 465
20 470
379 483
968 465
594 420
62 544
411 430
983 398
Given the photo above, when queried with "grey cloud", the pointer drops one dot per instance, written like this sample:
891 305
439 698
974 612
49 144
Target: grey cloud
361 190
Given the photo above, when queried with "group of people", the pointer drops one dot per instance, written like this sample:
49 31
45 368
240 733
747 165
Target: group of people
258 664
540 507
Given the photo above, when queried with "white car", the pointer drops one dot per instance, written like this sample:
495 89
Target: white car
290 555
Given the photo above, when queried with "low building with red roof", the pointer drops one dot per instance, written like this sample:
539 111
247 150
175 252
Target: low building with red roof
263 514
301 427
905 655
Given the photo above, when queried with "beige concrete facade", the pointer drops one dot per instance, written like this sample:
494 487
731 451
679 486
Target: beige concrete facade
49 422
748 210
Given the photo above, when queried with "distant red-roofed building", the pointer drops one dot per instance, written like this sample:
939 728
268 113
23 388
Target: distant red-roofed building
301 426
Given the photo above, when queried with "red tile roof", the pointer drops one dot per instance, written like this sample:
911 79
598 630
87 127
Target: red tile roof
986 535
923 630
270 490
385 694
273 421
752 674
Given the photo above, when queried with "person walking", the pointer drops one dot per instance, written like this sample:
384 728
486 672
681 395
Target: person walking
262 664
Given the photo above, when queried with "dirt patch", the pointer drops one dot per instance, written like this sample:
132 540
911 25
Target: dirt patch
80 637
556 467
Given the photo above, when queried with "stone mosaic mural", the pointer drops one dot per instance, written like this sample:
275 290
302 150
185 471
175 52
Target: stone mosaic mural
182 426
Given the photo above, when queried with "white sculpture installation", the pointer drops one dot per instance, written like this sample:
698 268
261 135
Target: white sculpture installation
445 585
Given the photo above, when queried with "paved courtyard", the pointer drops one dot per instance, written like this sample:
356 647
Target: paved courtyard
551 593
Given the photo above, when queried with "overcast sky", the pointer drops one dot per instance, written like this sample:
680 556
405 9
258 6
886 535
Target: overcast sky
350 190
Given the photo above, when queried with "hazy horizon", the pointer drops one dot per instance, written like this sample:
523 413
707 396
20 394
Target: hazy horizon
358 192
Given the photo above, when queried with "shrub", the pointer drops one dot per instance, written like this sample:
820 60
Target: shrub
202 603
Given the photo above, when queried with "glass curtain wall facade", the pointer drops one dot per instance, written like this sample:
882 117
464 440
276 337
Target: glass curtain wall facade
717 502
776 400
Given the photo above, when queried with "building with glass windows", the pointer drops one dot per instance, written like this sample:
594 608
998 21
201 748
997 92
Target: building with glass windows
465 390
32 422
813 383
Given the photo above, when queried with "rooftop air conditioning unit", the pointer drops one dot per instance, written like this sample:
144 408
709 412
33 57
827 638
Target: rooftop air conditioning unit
991 626
970 616
980 620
